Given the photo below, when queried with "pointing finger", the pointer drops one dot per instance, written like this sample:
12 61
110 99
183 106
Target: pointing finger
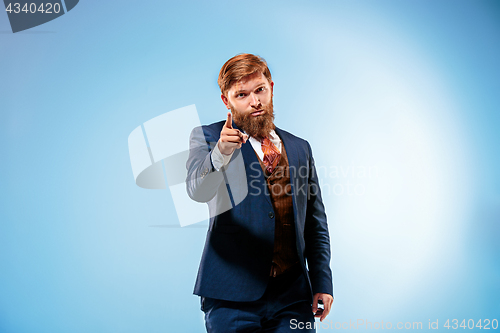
229 121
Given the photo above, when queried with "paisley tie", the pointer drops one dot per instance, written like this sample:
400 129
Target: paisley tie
271 155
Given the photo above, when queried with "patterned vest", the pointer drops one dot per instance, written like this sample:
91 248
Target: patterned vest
278 184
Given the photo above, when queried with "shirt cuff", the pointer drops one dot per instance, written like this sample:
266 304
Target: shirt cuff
219 160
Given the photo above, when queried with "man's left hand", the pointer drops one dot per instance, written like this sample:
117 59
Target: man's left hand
327 302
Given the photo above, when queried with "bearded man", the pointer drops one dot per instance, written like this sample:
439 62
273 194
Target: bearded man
266 262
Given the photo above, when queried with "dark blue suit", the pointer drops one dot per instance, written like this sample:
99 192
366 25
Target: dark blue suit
238 252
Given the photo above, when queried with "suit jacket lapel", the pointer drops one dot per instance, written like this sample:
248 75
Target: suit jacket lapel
293 163
291 151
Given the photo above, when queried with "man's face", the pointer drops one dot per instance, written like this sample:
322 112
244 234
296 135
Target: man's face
251 102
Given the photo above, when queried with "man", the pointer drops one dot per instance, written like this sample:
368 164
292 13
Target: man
267 216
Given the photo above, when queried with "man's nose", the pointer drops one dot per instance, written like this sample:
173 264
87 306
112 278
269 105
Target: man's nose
254 100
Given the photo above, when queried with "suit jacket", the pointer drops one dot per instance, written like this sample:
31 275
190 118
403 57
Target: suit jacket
237 257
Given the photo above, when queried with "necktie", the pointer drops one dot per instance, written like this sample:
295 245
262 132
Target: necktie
271 155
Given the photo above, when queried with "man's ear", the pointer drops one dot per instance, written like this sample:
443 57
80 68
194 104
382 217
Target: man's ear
272 86
225 100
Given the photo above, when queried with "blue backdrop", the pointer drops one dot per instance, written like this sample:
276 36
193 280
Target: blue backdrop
399 100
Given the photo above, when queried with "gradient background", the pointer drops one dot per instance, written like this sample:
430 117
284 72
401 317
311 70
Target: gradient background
409 88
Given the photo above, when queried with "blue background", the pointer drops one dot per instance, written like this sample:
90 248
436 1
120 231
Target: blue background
406 88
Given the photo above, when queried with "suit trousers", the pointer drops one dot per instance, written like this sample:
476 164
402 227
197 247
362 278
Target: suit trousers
284 307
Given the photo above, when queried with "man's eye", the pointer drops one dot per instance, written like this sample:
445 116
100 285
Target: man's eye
241 95
260 89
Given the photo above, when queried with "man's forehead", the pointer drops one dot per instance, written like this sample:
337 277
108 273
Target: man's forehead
249 80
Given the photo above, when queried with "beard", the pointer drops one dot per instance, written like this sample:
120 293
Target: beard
258 127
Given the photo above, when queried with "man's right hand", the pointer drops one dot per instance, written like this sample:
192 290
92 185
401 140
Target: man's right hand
230 138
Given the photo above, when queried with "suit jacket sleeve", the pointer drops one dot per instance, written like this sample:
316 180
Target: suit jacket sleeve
316 234
202 179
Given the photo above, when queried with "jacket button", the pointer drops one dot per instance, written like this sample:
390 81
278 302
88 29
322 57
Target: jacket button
271 215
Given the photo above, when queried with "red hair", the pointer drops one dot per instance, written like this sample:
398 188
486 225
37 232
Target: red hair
240 66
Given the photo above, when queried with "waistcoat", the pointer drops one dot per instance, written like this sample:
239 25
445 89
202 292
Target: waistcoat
278 184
